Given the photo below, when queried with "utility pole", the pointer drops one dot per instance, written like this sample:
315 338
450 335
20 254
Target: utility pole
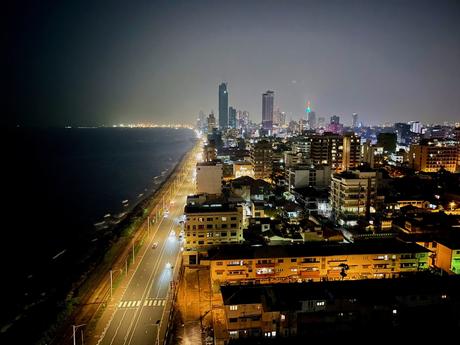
74 328
148 226
133 253
111 283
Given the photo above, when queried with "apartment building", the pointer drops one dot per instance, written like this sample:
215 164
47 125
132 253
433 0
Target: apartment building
209 178
352 194
430 156
301 176
448 256
318 310
262 159
316 261
212 223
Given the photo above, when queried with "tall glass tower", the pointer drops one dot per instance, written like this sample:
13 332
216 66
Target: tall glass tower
223 106
267 110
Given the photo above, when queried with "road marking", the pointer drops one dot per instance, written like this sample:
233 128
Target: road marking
124 304
178 195
129 304
138 303
155 303
145 303
164 302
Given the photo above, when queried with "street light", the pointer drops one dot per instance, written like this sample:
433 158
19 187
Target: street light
158 324
74 328
111 280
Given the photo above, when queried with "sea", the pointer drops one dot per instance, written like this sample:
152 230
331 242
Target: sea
63 191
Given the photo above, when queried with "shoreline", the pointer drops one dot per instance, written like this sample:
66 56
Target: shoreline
122 234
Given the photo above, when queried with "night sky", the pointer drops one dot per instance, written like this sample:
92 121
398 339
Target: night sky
100 62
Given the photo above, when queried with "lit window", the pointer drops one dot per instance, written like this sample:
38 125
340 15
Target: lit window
320 303
395 311
233 307
283 317
443 296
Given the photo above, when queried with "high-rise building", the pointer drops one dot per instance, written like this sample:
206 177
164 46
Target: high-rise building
416 127
243 119
335 120
211 122
354 122
232 117
311 119
279 118
430 156
353 193
351 152
262 159
201 122
321 122
368 153
340 153
267 110
402 132
223 106
387 141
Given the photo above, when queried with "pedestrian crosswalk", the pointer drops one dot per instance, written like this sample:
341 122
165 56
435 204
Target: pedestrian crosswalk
154 302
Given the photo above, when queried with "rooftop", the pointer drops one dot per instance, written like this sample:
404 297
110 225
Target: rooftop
211 207
391 246
281 297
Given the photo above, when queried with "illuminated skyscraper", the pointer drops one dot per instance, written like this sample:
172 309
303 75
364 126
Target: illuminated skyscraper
354 122
211 122
267 110
335 120
232 117
223 106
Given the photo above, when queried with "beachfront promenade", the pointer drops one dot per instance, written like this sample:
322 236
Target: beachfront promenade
137 309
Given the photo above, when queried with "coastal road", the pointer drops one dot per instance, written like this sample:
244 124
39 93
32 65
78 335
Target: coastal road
137 316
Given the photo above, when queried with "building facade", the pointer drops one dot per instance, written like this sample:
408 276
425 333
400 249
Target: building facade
301 176
351 151
209 178
267 110
316 262
223 106
432 156
353 193
232 117
262 159
212 224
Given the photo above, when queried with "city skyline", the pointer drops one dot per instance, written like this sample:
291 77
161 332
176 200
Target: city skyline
161 62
